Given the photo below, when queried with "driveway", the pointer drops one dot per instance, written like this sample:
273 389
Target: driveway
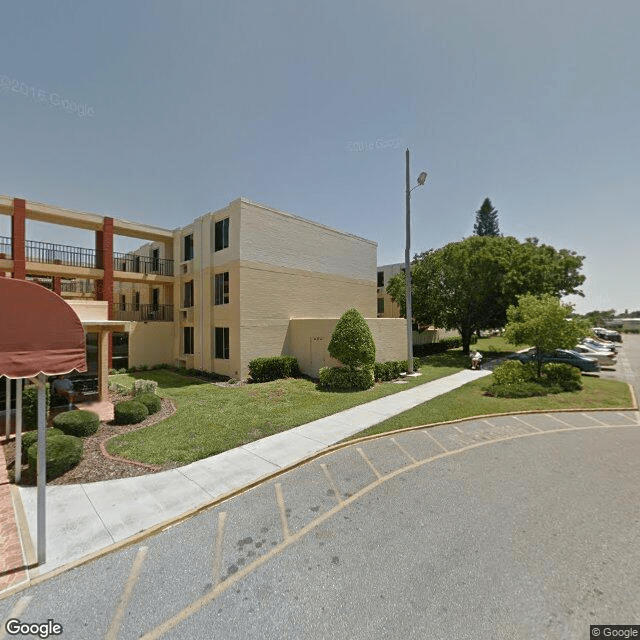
510 527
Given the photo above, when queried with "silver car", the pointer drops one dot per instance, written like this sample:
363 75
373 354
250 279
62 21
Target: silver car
605 358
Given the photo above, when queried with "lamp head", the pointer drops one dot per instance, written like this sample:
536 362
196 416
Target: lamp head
422 178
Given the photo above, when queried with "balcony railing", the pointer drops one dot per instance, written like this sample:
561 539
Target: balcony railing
61 254
5 246
77 286
142 264
143 312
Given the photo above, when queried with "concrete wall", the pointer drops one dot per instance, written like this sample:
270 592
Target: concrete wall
151 343
308 339
90 310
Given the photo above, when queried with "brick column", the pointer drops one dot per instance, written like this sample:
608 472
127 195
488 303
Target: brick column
57 285
104 287
18 237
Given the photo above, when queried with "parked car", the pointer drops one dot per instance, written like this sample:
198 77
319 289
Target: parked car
564 356
608 334
600 344
606 358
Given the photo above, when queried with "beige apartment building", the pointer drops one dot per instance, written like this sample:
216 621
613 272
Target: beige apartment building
234 284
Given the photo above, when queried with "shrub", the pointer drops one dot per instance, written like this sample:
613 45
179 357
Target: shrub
440 347
30 437
392 369
345 379
513 372
62 453
273 368
130 412
151 401
30 405
521 390
567 377
351 341
144 386
77 423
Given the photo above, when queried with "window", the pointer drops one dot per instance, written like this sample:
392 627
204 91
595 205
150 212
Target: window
221 288
381 278
123 302
188 340
155 298
136 301
380 305
222 343
155 260
136 264
188 294
221 235
188 247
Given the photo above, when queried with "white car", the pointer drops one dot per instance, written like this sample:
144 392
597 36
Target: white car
592 343
605 358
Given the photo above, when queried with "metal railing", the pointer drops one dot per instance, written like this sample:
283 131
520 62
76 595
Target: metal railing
5 246
77 286
143 312
37 251
142 264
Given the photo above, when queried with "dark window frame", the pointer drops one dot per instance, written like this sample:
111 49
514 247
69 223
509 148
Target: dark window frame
381 278
221 234
188 335
188 299
187 246
221 288
221 339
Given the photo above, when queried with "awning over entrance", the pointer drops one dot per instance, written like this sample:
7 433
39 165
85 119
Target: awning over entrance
39 332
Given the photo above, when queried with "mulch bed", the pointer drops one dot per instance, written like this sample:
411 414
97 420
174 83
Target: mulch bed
95 465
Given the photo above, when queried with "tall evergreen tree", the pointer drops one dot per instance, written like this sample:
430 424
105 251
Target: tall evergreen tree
486 220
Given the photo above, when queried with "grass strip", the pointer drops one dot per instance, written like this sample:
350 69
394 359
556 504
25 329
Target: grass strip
468 401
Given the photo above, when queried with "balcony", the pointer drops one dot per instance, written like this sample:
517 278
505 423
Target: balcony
143 312
5 247
77 286
142 264
46 252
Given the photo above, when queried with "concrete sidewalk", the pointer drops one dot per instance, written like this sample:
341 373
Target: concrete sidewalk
85 518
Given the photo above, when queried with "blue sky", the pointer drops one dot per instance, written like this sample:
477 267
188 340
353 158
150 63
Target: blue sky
308 107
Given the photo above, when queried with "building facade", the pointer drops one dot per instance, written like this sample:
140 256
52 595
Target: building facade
226 288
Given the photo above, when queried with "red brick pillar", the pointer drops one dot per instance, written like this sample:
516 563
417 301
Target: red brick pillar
18 237
57 285
104 287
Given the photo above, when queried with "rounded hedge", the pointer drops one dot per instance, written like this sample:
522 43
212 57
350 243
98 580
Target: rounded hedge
77 423
62 453
30 437
352 342
130 412
151 401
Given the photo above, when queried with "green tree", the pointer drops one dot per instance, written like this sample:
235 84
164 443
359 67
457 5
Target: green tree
545 323
486 220
469 285
352 342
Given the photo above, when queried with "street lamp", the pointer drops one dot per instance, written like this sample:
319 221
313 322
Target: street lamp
407 267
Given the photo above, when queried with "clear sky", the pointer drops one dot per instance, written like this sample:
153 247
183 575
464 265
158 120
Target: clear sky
309 106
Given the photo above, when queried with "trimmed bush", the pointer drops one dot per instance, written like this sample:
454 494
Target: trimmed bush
345 379
30 405
385 371
440 347
130 412
352 342
30 437
567 377
62 453
522 390
77 423
144 386
273 368
151 401
514 372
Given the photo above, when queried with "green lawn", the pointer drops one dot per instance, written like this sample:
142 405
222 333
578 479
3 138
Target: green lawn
468 401
210 419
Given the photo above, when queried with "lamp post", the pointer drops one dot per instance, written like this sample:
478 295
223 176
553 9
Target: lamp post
407 265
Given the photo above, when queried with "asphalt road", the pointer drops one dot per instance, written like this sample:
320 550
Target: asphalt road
510 527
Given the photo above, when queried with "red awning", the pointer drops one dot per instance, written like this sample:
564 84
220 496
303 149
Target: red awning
39 332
